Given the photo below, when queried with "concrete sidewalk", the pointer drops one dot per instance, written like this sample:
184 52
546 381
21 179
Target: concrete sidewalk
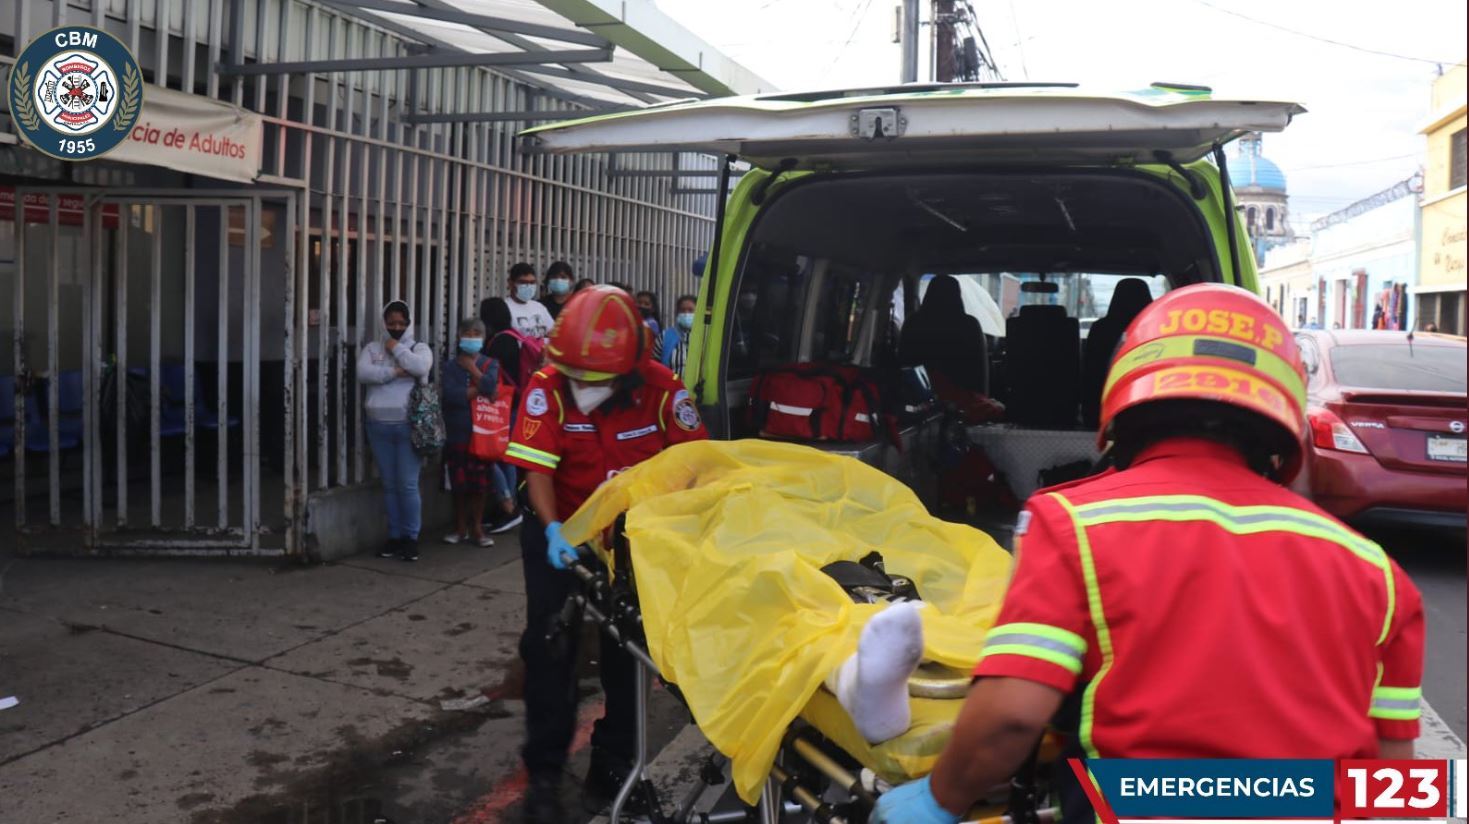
243 692
238 691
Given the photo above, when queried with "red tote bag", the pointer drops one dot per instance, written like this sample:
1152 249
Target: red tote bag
490 430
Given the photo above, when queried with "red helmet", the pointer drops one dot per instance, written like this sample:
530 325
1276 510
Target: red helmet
599 335
1216 343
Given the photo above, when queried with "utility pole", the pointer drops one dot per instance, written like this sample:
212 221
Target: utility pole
943 48
910 41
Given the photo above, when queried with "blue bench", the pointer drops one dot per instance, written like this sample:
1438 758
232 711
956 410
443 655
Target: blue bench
172 390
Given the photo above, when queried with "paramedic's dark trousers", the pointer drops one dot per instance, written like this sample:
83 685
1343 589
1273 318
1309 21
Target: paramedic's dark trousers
550 673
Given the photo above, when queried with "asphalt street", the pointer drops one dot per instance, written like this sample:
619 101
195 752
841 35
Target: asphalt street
1436 563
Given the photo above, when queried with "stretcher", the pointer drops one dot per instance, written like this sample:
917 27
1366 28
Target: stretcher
704 564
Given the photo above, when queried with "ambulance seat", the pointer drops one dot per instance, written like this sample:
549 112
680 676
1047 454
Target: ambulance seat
1043 365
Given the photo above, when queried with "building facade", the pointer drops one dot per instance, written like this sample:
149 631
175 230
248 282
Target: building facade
1288 284
181 317
1440 290
1356 268
1363 260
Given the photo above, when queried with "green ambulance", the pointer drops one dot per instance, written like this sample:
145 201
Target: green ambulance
1037 197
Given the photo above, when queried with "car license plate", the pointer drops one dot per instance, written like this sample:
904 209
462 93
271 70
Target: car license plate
1444 448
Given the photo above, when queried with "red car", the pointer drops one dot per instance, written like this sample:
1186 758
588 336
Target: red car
1387 415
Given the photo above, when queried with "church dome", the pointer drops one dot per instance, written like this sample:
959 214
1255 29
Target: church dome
1248 167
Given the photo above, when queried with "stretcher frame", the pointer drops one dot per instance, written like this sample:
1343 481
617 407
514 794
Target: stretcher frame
612 605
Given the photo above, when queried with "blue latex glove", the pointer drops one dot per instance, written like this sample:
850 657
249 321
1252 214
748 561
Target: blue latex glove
559 553
912 803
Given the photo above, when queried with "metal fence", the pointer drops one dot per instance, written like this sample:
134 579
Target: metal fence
372 188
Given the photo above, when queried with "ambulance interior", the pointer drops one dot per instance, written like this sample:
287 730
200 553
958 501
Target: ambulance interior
835 266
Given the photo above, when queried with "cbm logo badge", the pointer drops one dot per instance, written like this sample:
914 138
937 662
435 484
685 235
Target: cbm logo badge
75 93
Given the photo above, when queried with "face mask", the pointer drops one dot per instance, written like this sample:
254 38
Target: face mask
559 286
525 292
396 334
685 320
589 398
471 345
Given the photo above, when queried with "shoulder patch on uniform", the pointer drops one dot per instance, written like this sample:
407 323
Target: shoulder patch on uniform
685 414
529 429
1022 523
535 402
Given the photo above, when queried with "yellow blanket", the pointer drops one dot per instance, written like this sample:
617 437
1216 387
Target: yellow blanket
728 541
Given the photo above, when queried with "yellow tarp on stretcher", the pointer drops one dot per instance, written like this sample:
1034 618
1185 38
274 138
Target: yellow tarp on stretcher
728 540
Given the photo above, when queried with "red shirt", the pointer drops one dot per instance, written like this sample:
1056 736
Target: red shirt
579 451
1209 613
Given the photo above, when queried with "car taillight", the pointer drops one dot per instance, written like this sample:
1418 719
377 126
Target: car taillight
1328 432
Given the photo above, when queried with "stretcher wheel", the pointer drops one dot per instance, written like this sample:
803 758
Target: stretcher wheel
932 680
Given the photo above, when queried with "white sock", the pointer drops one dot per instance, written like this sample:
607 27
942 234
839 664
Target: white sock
872 685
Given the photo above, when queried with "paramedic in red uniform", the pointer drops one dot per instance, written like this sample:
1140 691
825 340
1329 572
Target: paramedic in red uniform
1193 605
601 406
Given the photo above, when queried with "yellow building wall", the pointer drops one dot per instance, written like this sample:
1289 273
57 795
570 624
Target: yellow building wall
1442 258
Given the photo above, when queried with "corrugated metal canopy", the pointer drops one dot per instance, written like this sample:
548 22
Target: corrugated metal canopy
653 58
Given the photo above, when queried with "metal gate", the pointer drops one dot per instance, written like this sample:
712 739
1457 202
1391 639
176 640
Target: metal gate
137 388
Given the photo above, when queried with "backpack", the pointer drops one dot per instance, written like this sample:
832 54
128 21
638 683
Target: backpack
815 402
531 353
425 417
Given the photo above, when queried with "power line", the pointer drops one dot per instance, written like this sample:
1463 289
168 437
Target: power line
1354 163
1019 40
1310 36
861 15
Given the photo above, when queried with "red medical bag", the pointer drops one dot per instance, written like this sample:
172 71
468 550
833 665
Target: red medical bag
815 402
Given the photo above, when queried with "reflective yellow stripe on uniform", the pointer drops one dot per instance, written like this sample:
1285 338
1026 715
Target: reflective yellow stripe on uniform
1099 621
1243 520
1387 702
1040 641
535 456
1397 703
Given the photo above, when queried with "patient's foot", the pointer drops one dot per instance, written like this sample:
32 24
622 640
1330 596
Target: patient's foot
872 685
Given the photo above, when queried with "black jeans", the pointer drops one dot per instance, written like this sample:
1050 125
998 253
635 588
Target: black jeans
550 672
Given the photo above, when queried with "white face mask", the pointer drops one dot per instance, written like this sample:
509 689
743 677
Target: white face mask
588 397
525 292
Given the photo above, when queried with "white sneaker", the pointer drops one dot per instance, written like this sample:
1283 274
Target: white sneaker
454 538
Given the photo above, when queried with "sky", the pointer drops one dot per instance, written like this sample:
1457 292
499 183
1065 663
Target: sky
1359 135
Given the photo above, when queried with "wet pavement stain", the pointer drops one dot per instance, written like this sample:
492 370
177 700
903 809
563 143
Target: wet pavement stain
356 784
268 725
386 667
192 800
459 629
265 760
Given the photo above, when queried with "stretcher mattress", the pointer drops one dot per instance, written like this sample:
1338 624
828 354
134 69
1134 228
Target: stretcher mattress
728 540
896 760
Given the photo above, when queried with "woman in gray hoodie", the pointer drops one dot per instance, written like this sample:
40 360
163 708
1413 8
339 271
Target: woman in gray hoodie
388 368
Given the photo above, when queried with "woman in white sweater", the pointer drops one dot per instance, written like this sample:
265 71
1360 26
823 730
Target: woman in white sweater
387 369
